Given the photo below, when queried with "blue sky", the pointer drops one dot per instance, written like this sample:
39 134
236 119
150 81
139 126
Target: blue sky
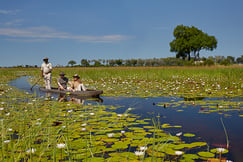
111 29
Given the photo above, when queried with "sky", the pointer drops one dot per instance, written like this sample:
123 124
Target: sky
65 30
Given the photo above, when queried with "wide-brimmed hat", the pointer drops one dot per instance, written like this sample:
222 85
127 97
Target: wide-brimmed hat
76 76
46 58
62 73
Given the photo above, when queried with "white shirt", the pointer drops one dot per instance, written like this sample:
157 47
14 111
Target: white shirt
46 68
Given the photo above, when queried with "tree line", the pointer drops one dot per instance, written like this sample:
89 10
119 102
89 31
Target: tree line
170 61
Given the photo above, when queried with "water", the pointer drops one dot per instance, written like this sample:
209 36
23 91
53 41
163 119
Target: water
207 126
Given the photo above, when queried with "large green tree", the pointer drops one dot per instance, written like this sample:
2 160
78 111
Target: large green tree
191 40
71 62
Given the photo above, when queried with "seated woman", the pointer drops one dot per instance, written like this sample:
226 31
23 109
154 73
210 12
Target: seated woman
76 84
62 81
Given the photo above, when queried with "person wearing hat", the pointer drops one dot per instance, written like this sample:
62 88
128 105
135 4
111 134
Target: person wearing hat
46 69
62 81
76 84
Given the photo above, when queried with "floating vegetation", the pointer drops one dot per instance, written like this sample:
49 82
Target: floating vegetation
40 130
186 82
209 105
35 129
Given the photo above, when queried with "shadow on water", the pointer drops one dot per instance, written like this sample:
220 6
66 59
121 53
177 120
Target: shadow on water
207 126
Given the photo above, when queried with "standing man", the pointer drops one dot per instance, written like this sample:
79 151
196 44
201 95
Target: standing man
46 69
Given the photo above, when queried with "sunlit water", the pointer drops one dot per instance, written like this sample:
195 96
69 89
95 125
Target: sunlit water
207 126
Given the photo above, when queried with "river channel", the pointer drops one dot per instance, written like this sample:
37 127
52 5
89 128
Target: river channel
207 126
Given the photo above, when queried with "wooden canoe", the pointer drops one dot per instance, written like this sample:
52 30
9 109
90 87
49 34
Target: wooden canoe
87 93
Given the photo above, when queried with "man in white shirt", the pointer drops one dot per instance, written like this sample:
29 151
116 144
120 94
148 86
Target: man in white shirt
46 69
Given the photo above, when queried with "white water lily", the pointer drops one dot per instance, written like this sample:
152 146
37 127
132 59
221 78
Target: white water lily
10 129
122 132
139 153
129 109
119 115
110 135
32 150
143 148
1 108
179 134
179 152
91 113
83 129
69 111
6 141
84 124
38 123
61 145
220 150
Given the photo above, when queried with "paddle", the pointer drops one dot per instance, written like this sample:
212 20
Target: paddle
35 83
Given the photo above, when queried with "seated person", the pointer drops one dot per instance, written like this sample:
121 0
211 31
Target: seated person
76 84
62 81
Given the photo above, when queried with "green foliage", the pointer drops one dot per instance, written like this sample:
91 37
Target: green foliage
84 62
191 40
71 62
225 62
209 62
97 136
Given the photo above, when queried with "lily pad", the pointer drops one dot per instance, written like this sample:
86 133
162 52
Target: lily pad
188 135
219 150
206 154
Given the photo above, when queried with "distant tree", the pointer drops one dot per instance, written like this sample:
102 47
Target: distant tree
209 62
140 62
219 59
134 62
231 59
84 62
128 62
112 62
191 40
148 62
97 63
239 60
119 62
71 62
225 62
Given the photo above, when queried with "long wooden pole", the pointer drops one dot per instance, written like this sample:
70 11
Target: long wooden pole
35 83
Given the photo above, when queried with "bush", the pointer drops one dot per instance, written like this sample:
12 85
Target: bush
225 62
209 62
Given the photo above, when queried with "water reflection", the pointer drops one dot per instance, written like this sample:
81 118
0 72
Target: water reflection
23 84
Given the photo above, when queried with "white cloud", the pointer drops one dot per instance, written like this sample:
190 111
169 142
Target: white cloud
16 22
44 33
9 12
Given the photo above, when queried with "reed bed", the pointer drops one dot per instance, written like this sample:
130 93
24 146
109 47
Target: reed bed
165 81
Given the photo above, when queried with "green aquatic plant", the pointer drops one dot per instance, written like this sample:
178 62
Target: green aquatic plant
33 129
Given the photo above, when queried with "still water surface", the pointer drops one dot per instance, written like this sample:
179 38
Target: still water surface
207 126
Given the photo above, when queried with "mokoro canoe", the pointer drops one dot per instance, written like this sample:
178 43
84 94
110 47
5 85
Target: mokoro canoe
87 93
